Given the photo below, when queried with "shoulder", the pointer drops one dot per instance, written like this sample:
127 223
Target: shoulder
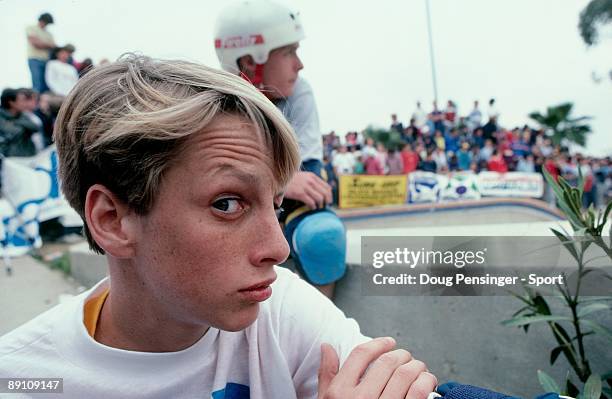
34 335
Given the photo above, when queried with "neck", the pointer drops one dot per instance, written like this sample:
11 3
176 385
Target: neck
134 319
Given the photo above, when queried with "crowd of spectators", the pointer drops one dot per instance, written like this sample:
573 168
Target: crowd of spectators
439 141
442 141
27 115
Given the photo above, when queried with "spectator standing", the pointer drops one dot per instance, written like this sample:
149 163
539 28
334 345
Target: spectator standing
40 42
492 111
475 117
419 116
61 76
369 149
16 128
450 113
396 124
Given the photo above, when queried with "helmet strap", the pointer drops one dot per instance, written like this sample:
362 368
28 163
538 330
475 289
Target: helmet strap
257 79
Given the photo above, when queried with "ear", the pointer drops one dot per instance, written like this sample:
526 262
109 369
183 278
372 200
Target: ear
247 65
113 225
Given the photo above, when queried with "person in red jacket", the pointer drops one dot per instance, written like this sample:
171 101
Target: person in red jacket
410 158
496 163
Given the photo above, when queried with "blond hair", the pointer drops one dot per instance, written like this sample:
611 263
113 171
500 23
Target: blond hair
123 124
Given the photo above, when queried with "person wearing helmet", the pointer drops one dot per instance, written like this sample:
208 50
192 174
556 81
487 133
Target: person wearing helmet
258 40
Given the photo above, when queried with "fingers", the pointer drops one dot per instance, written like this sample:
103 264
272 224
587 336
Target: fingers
318 190
328 368
402 379
422 386
360 358
379 373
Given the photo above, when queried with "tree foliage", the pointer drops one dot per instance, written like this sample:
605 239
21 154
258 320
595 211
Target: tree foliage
560 126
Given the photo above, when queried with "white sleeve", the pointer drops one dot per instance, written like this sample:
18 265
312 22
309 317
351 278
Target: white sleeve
308 319
300 109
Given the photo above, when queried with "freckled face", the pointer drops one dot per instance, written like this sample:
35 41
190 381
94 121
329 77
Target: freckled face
213 230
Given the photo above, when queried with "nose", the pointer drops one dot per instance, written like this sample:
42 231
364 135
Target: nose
269 246
299 65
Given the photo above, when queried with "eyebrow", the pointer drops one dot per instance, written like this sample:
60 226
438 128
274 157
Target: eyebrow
244 177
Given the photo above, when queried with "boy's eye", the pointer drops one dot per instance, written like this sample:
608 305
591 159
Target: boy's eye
228 205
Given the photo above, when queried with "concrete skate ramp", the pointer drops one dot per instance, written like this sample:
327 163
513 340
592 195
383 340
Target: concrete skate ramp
460 338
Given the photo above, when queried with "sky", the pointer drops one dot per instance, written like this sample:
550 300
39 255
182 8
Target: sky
364 59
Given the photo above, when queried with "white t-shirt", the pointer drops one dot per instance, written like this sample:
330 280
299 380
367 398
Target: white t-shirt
60 77
300 110
277 356
344 162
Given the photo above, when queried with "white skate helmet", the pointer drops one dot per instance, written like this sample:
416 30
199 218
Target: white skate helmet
254 27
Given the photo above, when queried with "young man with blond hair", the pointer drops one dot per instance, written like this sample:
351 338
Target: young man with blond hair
177 170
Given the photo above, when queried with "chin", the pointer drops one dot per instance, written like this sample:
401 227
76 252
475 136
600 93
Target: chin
240 320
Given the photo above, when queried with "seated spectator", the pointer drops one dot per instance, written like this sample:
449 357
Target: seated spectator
477 138
526 164
373 166
60 75
395 164
85 67
487 150
464 156
452 140
410 159
381 155
496 163
439 157
439 140
343 161
359 168
428 164
16 129
47 117
369 149
31 103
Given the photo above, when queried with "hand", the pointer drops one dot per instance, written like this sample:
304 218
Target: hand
391 374
309 189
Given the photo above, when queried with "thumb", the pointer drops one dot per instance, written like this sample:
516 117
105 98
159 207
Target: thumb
328 368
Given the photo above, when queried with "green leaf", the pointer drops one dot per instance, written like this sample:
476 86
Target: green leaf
555 354
547 382
592 387
567 243
594 307
598 328
521 321
541 305
571 389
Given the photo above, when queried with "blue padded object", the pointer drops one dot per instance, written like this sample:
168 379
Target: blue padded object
453 390
319 244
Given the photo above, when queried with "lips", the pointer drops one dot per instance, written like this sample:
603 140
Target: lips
263 284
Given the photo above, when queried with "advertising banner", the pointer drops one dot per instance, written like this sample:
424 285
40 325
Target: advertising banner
358 191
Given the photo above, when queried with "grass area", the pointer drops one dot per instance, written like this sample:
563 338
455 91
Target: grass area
61 262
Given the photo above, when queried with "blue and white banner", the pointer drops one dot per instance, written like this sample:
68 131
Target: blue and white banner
30 195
